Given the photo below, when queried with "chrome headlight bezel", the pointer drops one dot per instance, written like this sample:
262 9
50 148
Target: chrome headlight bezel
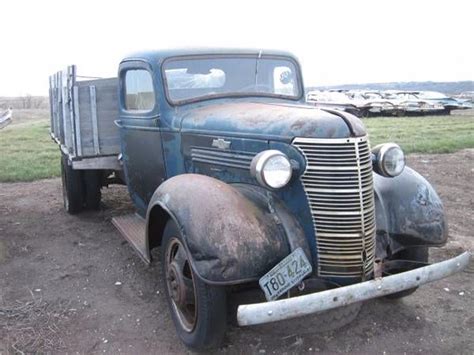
261 160
382 154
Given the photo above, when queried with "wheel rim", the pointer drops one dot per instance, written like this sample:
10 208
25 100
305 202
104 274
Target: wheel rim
180 284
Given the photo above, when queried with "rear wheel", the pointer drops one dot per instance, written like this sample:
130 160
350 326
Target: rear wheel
198 310
92 183
419 255
72 187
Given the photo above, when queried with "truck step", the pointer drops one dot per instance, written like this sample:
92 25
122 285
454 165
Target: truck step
133 228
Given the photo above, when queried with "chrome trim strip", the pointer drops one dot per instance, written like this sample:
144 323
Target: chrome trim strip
230 159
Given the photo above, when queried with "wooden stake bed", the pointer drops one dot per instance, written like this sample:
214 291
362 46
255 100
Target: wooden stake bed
133 228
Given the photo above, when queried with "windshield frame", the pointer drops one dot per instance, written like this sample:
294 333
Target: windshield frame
236 94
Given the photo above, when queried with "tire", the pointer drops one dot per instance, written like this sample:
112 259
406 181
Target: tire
338 317
365 113
202 325
401 113
92 183
418 254
73 198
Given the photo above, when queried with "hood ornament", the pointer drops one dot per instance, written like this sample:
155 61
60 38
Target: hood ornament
220 143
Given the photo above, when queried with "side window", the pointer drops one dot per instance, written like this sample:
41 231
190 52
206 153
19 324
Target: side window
139 94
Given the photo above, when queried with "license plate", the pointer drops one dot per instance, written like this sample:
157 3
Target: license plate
287 273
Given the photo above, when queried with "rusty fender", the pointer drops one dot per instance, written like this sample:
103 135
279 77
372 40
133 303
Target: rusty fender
408 211
266 312
234 233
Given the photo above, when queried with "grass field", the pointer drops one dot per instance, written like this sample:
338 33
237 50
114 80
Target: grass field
27 152
426 134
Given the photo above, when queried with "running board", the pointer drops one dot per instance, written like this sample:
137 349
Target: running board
133 228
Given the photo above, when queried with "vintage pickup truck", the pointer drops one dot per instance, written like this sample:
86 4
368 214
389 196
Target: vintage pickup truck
242 184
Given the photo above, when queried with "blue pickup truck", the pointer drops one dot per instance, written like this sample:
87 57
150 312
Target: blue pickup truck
241 184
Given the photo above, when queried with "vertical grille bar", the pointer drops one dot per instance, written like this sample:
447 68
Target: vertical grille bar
339 185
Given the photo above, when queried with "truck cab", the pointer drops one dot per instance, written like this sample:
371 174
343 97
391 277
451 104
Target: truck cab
240 183
171 100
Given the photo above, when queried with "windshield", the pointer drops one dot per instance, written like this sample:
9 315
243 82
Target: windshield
192 79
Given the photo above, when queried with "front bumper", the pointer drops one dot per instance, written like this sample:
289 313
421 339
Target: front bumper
267 312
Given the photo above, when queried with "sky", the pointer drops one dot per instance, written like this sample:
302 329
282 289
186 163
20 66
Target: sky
337 42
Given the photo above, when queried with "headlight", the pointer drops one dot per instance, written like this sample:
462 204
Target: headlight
271 168
389 159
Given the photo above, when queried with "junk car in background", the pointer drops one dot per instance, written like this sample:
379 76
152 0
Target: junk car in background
240 183
448 103
372 103
408 103
333 100
6 117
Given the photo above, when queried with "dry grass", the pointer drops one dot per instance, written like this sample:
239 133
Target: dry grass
33 326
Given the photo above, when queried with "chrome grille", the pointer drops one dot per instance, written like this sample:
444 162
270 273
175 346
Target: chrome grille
339 186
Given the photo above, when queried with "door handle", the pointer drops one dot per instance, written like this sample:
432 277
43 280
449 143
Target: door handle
155 123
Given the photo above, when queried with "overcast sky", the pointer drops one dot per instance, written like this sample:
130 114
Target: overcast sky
337 42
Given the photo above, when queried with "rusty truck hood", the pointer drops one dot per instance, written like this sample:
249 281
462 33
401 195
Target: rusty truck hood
270 120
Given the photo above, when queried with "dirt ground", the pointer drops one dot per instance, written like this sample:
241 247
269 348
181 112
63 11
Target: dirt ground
72 284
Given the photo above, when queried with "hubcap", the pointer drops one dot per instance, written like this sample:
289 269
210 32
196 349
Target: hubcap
180 284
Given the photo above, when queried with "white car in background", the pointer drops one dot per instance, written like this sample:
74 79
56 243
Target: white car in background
372 103
409 103
333 100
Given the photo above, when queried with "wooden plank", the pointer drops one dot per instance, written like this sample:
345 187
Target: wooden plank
77 119
70 106
107 112
66 130
56 113
85 121
95 129
107 163
98 82
51 122
60 108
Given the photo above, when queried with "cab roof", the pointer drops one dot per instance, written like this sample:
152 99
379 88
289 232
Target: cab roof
160 55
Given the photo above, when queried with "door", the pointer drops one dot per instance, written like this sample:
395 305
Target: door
141 145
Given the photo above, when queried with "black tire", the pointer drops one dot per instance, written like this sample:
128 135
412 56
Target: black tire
330 320
364 113
417 254
339 317
72 184
92 183
203 325
401 113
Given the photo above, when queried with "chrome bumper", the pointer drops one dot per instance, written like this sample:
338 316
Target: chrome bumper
266 312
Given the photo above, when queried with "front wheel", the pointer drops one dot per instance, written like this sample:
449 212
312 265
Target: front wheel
198 310
418 255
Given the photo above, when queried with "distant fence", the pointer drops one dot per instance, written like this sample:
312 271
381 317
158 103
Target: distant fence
24 102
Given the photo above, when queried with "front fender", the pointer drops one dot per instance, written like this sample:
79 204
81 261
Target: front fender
409 211
234 233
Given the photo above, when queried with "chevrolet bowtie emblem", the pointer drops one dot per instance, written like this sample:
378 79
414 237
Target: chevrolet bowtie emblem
220 143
